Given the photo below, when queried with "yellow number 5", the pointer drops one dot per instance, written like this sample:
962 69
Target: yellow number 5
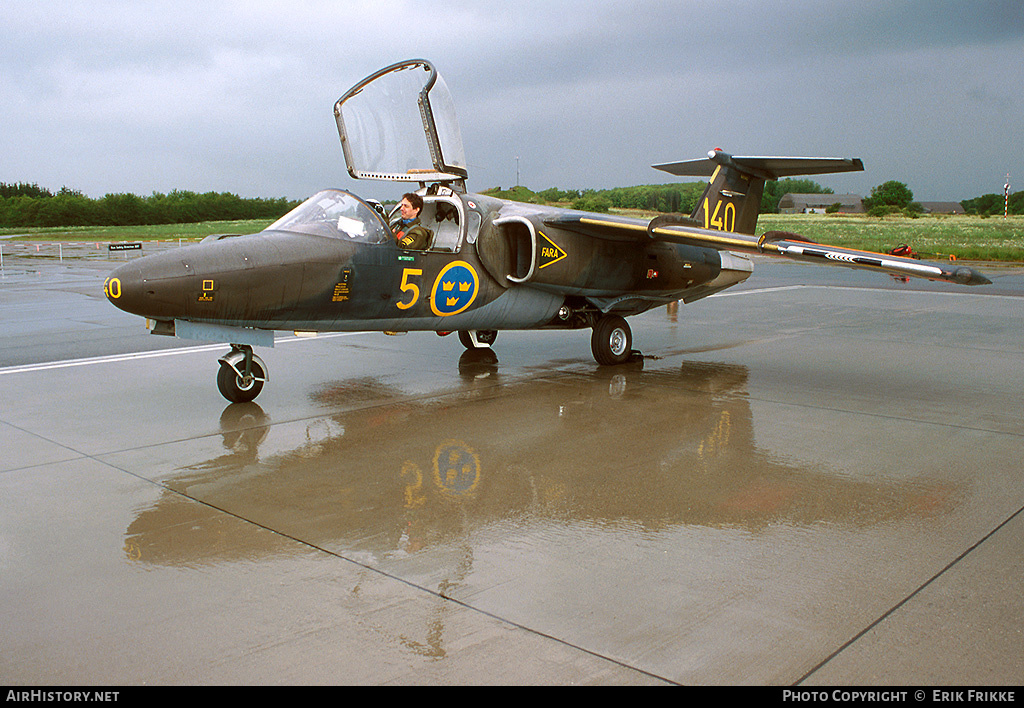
406 286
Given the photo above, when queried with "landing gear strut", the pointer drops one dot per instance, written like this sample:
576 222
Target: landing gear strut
241 375
612 340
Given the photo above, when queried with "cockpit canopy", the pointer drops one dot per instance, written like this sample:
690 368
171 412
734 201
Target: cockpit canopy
399 124
337 214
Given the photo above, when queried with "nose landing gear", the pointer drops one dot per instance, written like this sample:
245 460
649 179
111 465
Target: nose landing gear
241 375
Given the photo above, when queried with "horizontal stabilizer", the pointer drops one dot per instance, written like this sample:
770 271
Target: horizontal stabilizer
764 167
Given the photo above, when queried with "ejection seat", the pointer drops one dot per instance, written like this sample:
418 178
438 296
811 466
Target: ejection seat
443 218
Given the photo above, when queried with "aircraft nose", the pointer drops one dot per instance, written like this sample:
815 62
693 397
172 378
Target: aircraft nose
122 287
130 287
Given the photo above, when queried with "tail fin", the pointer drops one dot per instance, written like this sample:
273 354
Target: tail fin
732 200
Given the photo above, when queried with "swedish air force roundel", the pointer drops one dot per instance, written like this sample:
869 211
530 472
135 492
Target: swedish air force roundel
455 289
456 468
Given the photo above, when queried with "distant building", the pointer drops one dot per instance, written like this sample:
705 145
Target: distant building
941 207
818 203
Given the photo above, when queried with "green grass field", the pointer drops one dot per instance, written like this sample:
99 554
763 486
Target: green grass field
936 237
155 232
966 237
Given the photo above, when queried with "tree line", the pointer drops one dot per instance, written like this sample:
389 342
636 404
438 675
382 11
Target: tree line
896 197
28 205
993 204
890 197
679 197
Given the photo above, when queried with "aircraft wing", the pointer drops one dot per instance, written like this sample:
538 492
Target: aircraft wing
676 229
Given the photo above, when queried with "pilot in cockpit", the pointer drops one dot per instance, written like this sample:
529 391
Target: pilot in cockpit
409 233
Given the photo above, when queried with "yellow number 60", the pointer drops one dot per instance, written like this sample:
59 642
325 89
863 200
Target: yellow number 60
112 288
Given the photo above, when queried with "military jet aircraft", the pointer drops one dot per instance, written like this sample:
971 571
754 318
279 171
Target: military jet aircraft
334 264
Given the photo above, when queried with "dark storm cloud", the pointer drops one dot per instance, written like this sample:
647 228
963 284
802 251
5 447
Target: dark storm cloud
117 96
911 87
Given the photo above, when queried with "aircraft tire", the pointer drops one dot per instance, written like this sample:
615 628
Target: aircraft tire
485 337
236 389
612 340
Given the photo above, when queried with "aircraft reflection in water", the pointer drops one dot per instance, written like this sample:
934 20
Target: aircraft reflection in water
383 481
333 264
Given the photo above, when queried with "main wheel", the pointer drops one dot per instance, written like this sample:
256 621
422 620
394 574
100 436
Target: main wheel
612 340
240 389
484 338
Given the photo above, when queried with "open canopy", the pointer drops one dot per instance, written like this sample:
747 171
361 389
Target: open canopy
399 124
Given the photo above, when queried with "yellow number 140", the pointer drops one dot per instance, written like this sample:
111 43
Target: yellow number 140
721 219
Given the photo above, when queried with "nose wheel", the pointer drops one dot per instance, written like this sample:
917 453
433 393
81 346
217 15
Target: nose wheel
612 340
241 375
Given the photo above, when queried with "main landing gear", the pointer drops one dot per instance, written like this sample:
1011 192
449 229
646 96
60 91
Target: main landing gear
477 338
612 340
241 375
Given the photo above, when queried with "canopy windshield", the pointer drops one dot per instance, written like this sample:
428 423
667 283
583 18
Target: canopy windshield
399 124
336 214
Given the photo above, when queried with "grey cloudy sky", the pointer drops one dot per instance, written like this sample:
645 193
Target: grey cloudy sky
108 96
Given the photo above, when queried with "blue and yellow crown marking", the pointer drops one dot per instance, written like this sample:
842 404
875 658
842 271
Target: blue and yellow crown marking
455 289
